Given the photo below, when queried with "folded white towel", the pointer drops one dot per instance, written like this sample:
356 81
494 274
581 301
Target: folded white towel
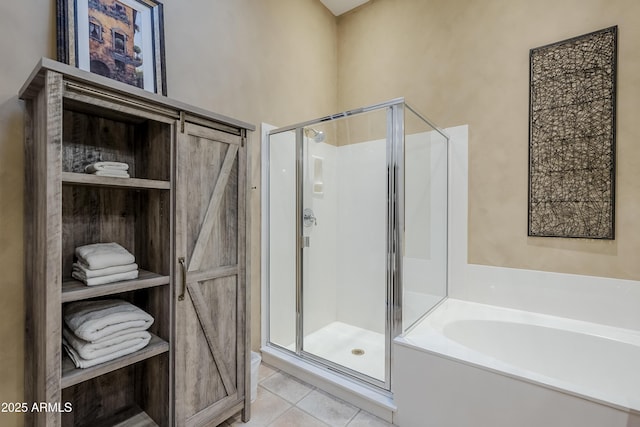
100 166
112 174
107 345
103 280
103 255
79 362
95 320
86 272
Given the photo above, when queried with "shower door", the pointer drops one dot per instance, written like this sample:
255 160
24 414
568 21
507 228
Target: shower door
356 244
343 199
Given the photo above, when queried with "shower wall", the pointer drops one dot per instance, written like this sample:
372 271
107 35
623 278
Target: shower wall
345 273
362 197
320 267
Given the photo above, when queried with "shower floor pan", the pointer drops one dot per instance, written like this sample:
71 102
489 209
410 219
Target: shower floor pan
355 348
335 342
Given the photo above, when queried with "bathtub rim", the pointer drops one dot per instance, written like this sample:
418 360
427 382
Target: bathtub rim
506 369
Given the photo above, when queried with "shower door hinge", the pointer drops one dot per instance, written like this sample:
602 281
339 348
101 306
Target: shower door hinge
304 242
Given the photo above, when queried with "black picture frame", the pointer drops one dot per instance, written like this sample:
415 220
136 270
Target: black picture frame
572 137
119 39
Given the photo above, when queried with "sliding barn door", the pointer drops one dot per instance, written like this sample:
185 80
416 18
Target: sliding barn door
210 285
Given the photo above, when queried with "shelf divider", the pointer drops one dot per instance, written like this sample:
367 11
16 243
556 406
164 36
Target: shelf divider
74 290
107 181
72 375
131 416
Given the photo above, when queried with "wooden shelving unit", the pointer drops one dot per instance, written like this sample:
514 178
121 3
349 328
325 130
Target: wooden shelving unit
81 209
181 214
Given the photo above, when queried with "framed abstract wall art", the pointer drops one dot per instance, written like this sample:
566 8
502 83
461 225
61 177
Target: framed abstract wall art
118 39
572 137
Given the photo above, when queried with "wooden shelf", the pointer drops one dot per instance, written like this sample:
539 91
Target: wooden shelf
74 290
72 375
107 181
131 416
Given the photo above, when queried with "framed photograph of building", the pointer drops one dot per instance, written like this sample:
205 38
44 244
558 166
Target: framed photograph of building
118 39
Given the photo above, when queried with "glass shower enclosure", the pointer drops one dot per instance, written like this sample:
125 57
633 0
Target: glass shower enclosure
356 235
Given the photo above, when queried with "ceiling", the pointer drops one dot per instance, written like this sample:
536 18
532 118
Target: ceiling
338 7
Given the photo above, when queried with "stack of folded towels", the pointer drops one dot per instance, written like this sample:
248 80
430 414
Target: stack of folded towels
95 332
112 169
102 263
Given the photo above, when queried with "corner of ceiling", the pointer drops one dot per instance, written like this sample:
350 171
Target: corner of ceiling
338 7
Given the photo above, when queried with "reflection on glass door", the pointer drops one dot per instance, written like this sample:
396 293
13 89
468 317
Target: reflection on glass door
344 228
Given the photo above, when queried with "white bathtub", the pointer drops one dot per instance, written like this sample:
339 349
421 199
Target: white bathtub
469 364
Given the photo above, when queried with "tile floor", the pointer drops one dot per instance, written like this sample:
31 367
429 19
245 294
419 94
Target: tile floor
285 401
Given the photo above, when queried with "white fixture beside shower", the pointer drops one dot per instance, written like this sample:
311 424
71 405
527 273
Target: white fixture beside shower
513 367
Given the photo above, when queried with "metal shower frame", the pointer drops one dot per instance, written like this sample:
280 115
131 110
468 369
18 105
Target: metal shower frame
394 236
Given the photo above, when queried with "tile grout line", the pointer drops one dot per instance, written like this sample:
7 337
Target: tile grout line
353 418
292 405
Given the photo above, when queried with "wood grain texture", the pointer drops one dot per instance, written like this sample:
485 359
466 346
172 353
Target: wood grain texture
93 99
152 392
106 181
153 230
43 275
131 416
30 261
212 335
72 375
215 216
212 210
74 290
144 146
123 90
98 215
243 300
85 210
90 138
182 308
153 157
99 399
214 415
213 273
183 186
139 221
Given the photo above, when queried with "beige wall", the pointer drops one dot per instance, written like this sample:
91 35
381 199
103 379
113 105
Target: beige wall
268 61
26 30
277 61
466 62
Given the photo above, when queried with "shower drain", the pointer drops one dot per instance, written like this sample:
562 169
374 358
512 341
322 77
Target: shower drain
357 352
